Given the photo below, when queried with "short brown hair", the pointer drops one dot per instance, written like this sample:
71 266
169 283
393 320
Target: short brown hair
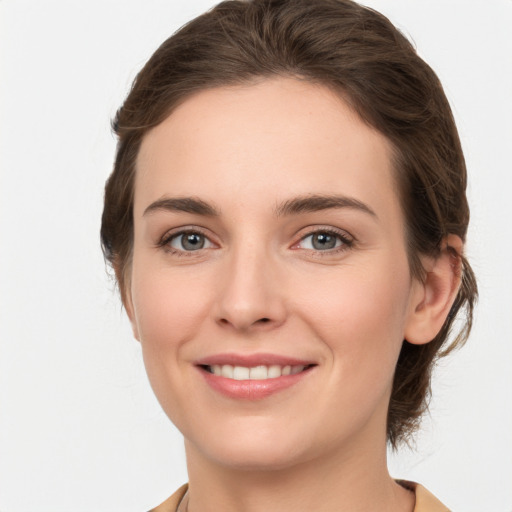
357 52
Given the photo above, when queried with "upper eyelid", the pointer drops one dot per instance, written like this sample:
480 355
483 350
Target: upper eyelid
300 235
182 230
347 241
312 230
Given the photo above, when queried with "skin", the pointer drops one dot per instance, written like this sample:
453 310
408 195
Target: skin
260 285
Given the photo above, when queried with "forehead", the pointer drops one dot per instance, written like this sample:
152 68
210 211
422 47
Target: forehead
275 139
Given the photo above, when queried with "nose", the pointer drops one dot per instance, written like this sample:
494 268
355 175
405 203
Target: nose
251 292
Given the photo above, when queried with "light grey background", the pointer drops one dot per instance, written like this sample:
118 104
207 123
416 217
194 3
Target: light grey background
79 427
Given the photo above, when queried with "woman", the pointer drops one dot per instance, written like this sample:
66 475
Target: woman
286 220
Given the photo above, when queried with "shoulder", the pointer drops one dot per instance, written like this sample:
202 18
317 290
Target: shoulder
425 500
171 503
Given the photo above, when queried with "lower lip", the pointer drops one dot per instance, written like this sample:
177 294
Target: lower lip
252 389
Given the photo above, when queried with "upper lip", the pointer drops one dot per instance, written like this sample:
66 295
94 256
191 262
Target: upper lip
251 360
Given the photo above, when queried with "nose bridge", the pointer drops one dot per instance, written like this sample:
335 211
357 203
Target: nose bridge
249 294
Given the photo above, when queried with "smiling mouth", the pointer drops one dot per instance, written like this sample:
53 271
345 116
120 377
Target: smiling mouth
260 372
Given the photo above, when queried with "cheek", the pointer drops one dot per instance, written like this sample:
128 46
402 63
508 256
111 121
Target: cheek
169 308
166 306
361 318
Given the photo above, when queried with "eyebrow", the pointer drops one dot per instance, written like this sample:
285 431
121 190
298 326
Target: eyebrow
183 204
297 205
313 203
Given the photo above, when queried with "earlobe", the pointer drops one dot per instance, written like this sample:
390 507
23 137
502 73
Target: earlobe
433 298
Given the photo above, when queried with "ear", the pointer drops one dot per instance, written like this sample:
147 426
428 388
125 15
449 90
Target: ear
432 299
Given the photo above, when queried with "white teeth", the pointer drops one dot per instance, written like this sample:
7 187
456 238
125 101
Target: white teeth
227 371
296 369
240 373
274 371
256 372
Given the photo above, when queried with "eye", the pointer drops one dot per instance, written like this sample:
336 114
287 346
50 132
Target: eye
189 241
324 240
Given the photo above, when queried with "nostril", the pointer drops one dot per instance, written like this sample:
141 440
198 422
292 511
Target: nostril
243 325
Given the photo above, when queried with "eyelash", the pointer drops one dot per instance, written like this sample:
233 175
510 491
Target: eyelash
346 241
165 241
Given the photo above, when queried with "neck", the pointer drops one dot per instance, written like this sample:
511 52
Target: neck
348 480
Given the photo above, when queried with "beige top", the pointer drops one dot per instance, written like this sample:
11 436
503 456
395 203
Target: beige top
425 501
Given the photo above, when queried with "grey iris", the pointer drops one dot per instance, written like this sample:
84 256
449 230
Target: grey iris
323 241
192 241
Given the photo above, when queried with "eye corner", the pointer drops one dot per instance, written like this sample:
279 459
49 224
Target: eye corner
175 241
324 241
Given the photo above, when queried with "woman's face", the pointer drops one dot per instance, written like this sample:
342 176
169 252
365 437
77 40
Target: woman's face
269 249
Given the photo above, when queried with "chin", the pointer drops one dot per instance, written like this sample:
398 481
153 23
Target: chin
257 459
252 449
